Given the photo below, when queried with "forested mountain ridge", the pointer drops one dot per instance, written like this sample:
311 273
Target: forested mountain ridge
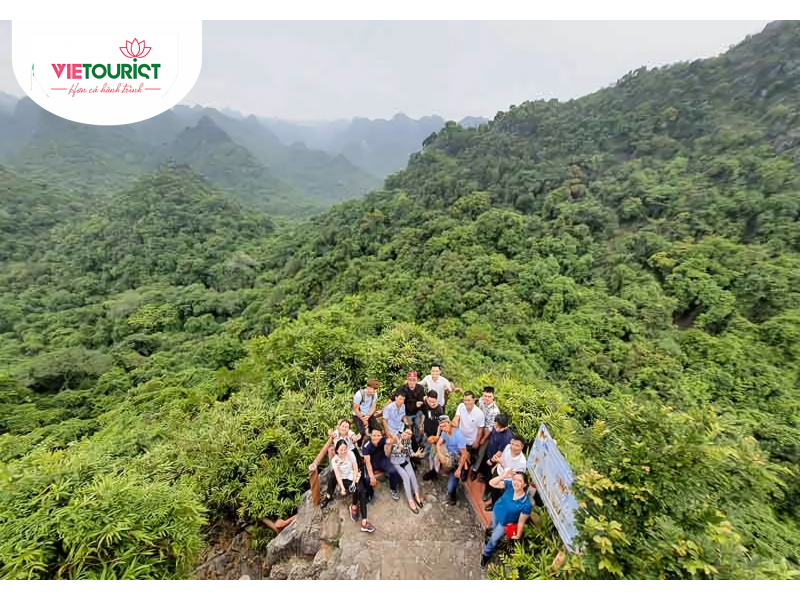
324 163
84 158
209 150
28 211
169 227
101 160
314 173
624 267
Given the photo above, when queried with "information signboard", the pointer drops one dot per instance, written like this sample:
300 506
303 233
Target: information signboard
553 479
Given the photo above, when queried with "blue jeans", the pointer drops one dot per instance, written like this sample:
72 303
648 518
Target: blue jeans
498 533
391 474
452 483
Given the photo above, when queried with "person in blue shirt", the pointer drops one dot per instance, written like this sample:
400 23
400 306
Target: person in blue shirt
452 451
365 405
514 506
394 414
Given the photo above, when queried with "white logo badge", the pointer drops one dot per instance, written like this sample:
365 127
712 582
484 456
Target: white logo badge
109 73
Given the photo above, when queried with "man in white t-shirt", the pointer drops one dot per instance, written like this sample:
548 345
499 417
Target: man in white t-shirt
469 419
511 459
439 384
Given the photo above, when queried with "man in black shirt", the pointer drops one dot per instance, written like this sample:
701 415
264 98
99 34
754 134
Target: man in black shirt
430 430
376 457
415 399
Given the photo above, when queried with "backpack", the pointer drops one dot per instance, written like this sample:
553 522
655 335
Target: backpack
362 394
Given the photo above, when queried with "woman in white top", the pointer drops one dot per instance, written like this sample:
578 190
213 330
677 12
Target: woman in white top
348 478
343 432
350 438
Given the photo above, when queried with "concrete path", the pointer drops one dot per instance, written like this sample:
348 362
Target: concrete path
441 542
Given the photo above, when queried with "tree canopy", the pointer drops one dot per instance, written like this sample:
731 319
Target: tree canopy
624 268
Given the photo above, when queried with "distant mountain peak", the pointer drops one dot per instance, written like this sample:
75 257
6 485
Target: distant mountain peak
25 107
207 130
7 103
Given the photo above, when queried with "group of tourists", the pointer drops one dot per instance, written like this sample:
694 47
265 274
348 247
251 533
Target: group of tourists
413 427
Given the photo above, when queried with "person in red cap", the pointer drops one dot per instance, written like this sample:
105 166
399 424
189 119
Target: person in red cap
415 398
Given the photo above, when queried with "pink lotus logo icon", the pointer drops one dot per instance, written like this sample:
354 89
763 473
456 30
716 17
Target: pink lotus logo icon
135 49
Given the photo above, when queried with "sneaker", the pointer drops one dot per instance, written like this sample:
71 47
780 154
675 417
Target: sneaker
488 507
368 528
324 501
451 499
484 561
354 513
395 494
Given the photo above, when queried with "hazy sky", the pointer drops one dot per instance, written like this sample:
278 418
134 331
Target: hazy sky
334 69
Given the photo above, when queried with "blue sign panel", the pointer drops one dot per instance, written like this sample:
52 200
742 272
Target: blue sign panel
553 479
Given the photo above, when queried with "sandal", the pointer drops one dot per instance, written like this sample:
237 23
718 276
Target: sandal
414 510
419 503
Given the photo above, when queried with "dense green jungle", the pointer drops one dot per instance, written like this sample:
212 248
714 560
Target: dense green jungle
623 267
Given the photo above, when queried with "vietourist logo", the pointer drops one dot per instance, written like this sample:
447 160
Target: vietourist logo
99 72
92 78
